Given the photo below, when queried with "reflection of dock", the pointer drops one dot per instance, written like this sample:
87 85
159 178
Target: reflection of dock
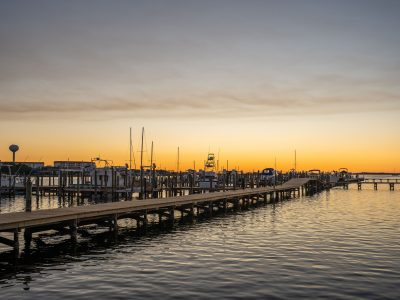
69 219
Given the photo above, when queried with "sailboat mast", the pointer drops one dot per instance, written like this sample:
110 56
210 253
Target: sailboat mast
151 157
218 161
151 169
177 164
141 166
130 148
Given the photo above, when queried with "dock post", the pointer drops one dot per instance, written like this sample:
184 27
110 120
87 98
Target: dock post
37 182
78 182
191 213
144 188
16 242
236 203
225 206
145 220
28 195
74 231
171 215
28 240
160 217
0 183
210 208
115 224
95 183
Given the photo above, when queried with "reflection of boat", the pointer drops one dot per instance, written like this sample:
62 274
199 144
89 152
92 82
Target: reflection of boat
208 178
267 176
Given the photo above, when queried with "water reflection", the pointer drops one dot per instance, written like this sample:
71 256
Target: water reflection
338 244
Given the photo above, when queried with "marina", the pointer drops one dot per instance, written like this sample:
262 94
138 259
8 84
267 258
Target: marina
199 150
137 194
73 217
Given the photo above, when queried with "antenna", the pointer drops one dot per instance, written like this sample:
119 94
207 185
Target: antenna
295 160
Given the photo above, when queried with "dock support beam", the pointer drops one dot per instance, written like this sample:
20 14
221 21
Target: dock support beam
28 240
73 228
171 216
16 241
225 205
28 195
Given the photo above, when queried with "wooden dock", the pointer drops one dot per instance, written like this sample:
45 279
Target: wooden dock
375 182
69 219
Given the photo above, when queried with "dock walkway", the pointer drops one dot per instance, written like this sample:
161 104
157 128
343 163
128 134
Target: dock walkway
73 217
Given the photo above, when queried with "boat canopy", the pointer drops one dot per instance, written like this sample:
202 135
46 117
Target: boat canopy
268 171
314 171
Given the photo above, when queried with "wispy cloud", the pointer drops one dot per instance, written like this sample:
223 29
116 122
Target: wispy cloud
169 60
210 104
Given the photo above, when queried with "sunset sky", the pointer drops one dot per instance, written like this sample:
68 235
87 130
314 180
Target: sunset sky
252 80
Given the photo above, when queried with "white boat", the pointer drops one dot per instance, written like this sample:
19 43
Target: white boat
11 180
344 175
314 174
208 178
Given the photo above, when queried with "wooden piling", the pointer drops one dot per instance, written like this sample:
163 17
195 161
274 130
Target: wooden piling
74 231
28 195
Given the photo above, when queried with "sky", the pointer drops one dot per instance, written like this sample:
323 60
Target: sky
251 81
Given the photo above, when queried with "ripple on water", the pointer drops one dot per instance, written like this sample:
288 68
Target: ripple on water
338 245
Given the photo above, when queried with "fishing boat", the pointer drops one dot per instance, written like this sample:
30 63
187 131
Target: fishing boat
314 173
208 178
267 176
344 175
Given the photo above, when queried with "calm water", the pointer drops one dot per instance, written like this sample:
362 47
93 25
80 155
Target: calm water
338 244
